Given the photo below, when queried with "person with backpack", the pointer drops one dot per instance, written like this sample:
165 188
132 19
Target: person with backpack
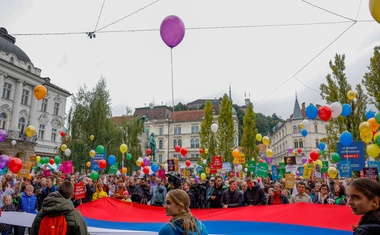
58 215
182 222
159 194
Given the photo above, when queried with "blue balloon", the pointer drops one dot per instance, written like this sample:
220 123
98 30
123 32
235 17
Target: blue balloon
346 138
311 111
304 132
154 167
111 159
321 146
346 110
369 114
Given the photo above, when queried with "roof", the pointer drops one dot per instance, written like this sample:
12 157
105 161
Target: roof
202 101
187 116
7 44
158 112
120 119
297 114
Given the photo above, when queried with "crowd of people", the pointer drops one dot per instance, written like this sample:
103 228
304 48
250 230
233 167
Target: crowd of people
212 192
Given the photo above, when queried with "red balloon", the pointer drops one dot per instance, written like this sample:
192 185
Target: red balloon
299 150
261 160
142 164
148 151
183 151
200 151
51 161
324 112
314 155
146 170
15 165
188 163
309 160
102 164
62 133
177 148
278 165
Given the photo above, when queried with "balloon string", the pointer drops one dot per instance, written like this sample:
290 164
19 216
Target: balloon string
171 61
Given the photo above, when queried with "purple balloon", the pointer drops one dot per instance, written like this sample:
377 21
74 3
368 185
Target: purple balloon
269 159
4 160
304 160
3 135
172 30
146 161
290 150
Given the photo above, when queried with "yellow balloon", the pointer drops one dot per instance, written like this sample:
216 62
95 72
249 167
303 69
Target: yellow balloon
92 153
269 153
365 127
259 137
374 8
123 148
366 137
332 172
266 140
319 163
92 137
203 176
236 161
302 126
305 165
201 158
206 151
294 153
138 163
38 159
124 170
63 147
351 94
88 164
373 150
30 131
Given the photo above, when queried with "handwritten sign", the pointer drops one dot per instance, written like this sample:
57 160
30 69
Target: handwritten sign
218 162
79 191
371 172
289 180
25 170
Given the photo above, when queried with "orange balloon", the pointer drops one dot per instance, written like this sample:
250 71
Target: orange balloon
88 164
374 125
40 92
124 170
235 153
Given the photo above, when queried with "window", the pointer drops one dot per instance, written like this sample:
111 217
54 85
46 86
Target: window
12 60
161 131
294 129
41 132
160 158
174 143
3 120
192 155
197 143
56 108
295 143
21 125
160 144
180 143
7 90
53 134
25 97
316 143
44 105
316 128
177 130
194 129
192 143
300 143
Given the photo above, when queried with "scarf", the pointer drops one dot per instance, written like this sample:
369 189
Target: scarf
276 198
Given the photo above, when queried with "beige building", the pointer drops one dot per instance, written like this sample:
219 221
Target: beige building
287 135
19 108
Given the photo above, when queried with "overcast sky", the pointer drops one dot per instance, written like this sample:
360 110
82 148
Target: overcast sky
255 46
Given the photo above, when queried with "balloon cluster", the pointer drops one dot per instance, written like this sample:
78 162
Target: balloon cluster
369 133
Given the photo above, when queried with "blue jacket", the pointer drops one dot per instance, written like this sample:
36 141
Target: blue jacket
27 203
175 228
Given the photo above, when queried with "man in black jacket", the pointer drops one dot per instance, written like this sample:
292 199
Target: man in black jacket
90 189
215 199
186 188
231 197
254 195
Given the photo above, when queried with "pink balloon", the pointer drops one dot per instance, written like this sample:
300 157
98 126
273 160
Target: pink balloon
172 30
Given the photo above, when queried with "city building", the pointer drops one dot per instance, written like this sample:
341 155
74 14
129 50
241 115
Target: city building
19 108
287 135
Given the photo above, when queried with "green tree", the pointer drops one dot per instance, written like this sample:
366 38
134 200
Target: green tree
90 115
371 79
240 116
335 90
180 107
226 132
249 134
206 135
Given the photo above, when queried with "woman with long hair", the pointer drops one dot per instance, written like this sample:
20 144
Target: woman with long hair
339 195
364 199
182 221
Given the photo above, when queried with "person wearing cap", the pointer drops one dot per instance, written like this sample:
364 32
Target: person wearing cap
301 195
254 195
126 196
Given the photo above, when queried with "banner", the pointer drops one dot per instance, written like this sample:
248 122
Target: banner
307 172
79 191
374 164
212 168
262 170
226 166
95 160
274 172
242 159
25 170
353 153
113 168
325 166
289 181
67 167
251 166
47 173
176 164
344 168
161 174
371 173
301 170
33 161
218 162
170 164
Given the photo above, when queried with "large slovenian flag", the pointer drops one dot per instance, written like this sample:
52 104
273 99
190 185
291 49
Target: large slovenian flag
111 216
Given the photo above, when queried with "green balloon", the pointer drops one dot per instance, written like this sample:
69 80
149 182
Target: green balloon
129 156
323 152
377 117
100 149
377 140
94 176
57 160
335 157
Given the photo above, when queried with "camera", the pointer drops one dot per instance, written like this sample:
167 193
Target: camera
174 179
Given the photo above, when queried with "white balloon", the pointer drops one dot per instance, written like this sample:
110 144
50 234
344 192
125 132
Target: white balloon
245 169
13 142
305 123
166 167
214 127
336 109
151 105
204 161
67 152
240 167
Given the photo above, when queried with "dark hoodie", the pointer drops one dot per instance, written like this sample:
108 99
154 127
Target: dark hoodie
369 224
175 227
54 205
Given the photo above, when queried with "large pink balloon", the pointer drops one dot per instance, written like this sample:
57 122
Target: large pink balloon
172 30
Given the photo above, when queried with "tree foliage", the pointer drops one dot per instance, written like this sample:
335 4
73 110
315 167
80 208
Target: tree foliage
225 133
335 90
206 135
249 134
371 79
